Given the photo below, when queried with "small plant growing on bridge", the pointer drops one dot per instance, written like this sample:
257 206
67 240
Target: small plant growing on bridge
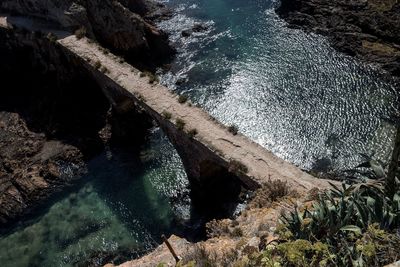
192 133
80 33
167 115
180 124
152 77
141 98
52 37
97 65
104 70
182 99
233 129
236 166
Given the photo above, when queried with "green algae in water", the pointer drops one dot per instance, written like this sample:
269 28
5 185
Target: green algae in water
122 209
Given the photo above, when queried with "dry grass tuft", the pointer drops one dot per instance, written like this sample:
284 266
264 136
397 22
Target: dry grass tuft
270 192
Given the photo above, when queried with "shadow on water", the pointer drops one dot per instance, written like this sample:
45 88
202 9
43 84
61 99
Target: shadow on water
116 203
120 207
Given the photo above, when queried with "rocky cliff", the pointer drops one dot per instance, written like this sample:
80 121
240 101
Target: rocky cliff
367 29
47 130
53 119
119 25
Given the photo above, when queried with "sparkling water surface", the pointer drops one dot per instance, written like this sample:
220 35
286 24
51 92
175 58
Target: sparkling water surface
287 90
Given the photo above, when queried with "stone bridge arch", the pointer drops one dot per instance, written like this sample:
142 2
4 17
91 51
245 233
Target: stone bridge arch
215 189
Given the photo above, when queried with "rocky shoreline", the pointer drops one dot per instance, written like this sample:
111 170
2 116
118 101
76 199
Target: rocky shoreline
49 126
366 29
47 133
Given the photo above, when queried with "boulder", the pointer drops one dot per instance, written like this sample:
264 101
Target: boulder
116 24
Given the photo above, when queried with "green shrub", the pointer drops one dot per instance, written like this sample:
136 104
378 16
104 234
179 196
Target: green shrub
167 115
80 33
97 64
52 37
104 69
192 133
353 221
141 98
152 77
180 124
373 247
357 205
182 99
233 129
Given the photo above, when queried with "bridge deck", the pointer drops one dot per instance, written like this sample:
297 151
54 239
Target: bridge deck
261 163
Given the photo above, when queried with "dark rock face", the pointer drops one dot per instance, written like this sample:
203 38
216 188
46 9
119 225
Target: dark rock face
367 29
31 166
116 24
50 118
53 116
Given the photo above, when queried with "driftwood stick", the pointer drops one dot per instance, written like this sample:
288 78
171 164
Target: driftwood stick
170 248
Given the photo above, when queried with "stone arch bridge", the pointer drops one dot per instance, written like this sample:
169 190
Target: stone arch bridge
213 156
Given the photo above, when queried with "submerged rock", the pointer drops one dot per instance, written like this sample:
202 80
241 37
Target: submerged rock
195 29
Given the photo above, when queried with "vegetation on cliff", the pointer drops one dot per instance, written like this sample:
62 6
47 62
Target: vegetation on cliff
354 224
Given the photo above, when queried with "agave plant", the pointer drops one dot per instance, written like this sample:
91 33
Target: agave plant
360 223
341 215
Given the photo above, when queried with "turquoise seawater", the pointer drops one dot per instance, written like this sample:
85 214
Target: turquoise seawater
287 90
122 206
